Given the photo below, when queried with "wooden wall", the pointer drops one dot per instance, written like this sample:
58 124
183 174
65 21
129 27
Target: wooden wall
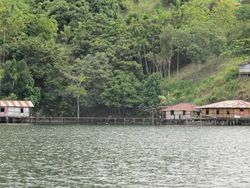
178 114
226 113
15 112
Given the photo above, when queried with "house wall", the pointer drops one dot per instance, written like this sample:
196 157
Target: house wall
178 115
15 112
245 68
226 113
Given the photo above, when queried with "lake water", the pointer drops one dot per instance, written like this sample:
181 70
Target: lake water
124 156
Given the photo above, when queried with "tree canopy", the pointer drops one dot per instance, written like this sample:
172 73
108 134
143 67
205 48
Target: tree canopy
54 51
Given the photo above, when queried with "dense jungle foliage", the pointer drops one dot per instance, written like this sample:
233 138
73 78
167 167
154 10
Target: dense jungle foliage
121 55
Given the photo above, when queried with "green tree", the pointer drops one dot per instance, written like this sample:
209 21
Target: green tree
241 41
13 15
77 82
166 43
17 79
122 91
98 72
199 42
152 90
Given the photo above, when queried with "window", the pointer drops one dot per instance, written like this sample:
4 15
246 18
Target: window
2 109
217 112
241 111
184 112
172 112
228 112
207 112
21 110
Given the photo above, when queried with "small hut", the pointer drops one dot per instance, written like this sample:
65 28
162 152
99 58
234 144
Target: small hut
180 111
244 70
227 109
15 108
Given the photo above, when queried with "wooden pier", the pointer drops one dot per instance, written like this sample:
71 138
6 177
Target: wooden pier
127 121
83 120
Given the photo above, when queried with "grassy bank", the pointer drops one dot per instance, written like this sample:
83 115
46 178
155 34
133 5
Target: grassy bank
213 81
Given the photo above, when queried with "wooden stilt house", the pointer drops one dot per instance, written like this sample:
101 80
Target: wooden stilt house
180 111
244 70
227 109
15 108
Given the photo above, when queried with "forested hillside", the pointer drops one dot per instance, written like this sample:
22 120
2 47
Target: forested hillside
122 55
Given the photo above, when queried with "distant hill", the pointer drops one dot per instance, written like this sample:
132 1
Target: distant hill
74 57
215 80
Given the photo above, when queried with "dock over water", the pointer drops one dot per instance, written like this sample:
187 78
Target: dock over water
128 121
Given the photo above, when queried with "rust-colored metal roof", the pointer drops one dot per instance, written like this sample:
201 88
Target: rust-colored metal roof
182 107
229 104
16 103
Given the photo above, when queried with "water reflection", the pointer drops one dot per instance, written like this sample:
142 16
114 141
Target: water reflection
124 156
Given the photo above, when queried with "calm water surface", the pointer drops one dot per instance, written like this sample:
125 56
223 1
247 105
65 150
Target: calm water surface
124 156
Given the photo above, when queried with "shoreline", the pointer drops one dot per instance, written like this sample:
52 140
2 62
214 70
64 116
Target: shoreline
127 121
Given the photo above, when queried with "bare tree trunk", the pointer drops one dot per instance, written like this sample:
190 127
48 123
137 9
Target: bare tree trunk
161 73
140 59
169 68
145 59
155 65
157 68
147 69
178 59
165 68
78 109
153 68
4 41
119 111
13 86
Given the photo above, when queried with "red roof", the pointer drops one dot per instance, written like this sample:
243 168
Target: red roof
182 107
15 103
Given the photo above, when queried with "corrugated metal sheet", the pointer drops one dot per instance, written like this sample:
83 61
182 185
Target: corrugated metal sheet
16 103
228 104
182 107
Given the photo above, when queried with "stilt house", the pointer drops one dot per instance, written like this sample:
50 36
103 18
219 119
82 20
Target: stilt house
244 70
15 108
180 111
227 109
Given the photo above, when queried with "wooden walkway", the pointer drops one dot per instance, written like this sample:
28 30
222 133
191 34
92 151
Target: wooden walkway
86 120
129 121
